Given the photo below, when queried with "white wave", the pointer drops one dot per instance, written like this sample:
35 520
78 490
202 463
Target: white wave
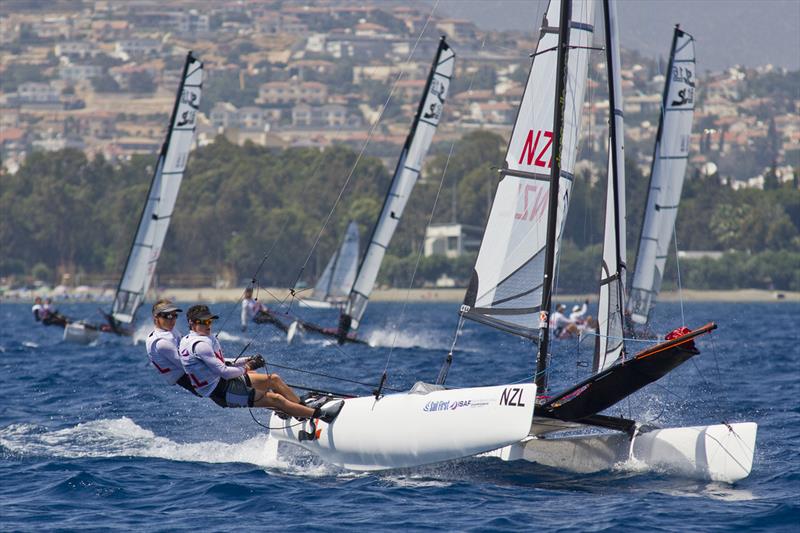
141 333
30 344
122 437
231 337
407 339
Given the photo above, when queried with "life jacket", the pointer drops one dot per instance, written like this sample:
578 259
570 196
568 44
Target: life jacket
162 349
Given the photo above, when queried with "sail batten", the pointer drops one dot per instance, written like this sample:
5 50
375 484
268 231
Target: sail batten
506 290
157 212
405 177
670 158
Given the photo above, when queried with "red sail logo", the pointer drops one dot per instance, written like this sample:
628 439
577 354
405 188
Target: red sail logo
532 155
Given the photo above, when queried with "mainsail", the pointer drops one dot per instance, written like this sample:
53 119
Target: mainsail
507 286
610 318
340 272
670 157
157 211
405 177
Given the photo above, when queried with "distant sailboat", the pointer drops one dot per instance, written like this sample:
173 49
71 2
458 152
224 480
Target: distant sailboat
333 286
156 213
670 158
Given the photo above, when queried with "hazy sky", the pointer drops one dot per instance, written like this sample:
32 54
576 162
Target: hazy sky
727 32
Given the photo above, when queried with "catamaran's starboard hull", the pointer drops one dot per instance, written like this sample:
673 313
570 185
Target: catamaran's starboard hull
412 429
719 452
78 333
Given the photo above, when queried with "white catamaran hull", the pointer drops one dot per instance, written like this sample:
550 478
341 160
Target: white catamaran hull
79 333
718 452
413 429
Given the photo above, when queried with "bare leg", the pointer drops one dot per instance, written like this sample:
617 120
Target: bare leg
275 401
272 382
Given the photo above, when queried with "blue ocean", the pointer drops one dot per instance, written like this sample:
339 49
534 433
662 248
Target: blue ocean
91 439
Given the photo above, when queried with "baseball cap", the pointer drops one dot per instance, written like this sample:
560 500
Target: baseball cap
200 312
165 306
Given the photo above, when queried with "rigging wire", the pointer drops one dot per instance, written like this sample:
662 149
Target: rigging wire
678 268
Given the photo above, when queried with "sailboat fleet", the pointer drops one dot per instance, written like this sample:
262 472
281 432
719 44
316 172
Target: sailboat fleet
513 282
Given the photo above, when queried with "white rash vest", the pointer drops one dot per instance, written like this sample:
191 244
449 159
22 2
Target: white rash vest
204 363
162 349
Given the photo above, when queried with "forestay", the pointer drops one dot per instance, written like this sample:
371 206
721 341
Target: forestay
610 319
670 157
155 218
405 177
340 272
506 286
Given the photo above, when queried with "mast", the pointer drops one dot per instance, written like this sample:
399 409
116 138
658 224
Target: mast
409 166
164 186
552 216
667 173
610 344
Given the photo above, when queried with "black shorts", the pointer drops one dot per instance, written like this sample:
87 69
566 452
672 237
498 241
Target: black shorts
236 392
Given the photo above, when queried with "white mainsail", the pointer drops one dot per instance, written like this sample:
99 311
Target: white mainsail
405 177
340 272
610 318
506 289
155 219
670 157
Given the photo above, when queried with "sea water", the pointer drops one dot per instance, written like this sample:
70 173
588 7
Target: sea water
92 439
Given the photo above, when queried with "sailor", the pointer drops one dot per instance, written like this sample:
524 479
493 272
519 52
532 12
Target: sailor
37 309
250 308
50 315
162 345
238 385
562 326
576 316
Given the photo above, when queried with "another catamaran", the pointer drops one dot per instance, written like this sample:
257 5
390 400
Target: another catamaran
408 169
667 173
156 213
333 287
510 290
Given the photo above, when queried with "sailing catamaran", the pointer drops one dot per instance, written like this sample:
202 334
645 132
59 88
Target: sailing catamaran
337 279
670 158
156 213
511 291
408 169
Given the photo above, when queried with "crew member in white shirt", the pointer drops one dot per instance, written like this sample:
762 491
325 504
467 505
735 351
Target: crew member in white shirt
561 325
250 308
239 385
37 309
162 345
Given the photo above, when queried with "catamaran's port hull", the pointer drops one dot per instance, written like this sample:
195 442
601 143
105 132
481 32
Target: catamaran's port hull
414 429
722 452
79 333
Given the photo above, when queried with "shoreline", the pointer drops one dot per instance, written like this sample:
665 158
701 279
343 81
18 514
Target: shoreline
457 295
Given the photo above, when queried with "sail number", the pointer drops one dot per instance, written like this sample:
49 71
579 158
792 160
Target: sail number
532 155
512 396
531 201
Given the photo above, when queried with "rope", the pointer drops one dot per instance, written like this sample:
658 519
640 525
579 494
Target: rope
678 268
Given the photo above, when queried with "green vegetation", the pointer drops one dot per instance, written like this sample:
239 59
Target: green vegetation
65 213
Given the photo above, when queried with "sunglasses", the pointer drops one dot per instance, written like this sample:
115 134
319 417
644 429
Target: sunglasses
168 316
205 321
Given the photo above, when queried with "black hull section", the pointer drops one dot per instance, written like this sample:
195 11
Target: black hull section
268 317
619 381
